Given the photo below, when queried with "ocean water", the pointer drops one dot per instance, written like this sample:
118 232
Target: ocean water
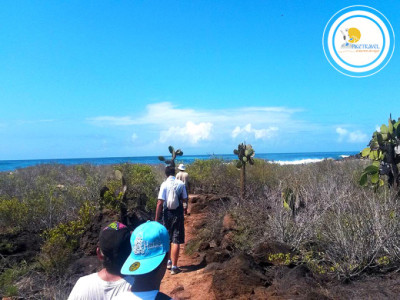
281 158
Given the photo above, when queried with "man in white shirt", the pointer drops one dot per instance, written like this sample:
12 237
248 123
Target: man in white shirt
172 218
147 263
114 248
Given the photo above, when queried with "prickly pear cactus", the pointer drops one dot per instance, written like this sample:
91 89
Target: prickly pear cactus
174 154
384 151
245 154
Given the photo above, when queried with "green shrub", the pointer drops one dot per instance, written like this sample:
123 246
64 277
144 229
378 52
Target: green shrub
142 185
13 214
62 240
9 276
213 176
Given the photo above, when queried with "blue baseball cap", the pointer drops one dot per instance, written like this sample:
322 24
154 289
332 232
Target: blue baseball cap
150 244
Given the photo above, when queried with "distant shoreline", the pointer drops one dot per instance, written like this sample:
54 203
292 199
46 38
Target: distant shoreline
280 158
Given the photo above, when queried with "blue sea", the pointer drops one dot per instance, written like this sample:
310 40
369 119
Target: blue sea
281 158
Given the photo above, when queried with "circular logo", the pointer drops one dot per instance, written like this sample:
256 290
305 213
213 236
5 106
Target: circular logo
134 266
358 41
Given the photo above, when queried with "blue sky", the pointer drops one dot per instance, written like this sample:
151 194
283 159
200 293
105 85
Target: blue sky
128 78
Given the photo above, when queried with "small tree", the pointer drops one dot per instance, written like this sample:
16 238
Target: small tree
245 154
174 154
384 151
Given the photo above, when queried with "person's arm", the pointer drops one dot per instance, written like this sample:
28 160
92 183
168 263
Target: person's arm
159 208
188 185
162 196
185 199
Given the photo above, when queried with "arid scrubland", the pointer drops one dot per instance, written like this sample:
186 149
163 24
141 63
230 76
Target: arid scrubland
331 224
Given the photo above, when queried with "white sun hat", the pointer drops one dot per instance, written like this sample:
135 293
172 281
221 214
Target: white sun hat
182 167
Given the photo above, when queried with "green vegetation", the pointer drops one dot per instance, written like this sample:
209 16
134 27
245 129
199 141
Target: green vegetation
9 276
245 154
384 151
319 211
55 204
61 241
174 154
330 222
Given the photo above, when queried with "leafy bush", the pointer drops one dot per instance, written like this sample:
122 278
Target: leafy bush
335 226
62 240
8 278
49 194
142 186
13 214
213 176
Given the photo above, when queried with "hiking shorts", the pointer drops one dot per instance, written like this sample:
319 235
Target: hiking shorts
173 220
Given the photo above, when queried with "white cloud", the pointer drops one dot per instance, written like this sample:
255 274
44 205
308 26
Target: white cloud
357 137
134 137
191 132
165 113
258 133
194 126
342 133
113 121
351 136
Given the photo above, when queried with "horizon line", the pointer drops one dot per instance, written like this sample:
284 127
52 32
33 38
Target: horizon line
213 154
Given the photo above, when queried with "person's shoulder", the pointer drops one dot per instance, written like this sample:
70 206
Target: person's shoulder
83 288
125 296
163 184
179 182
88 278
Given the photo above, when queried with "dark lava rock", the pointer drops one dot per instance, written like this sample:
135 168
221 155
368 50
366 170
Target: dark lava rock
21 245
218 256
90 238
197 203
238 278
262 251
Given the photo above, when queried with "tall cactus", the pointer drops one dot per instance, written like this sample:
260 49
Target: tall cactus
174 154
384 151
245 154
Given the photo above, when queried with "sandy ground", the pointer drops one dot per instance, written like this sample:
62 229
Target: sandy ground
193 282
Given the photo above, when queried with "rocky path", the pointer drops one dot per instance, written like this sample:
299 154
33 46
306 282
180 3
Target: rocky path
194 282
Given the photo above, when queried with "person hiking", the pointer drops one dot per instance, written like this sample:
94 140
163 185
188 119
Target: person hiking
170 205
114 247
147 262
184 177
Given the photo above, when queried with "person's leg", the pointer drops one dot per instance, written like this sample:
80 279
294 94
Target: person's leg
166 221
175 254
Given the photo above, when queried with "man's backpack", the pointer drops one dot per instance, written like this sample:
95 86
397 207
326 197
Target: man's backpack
173 195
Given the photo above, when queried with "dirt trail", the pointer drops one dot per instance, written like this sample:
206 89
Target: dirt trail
194 282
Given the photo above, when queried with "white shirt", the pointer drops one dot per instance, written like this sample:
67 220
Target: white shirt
92 287
149 295
167 185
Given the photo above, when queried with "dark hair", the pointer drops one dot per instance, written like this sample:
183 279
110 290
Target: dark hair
115 246
170 171
114 264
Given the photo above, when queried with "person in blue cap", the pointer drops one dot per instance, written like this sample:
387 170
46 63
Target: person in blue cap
147 262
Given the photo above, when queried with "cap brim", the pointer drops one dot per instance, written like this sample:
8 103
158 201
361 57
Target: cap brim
142 266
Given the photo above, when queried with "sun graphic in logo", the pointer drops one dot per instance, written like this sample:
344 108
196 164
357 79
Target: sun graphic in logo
354 35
